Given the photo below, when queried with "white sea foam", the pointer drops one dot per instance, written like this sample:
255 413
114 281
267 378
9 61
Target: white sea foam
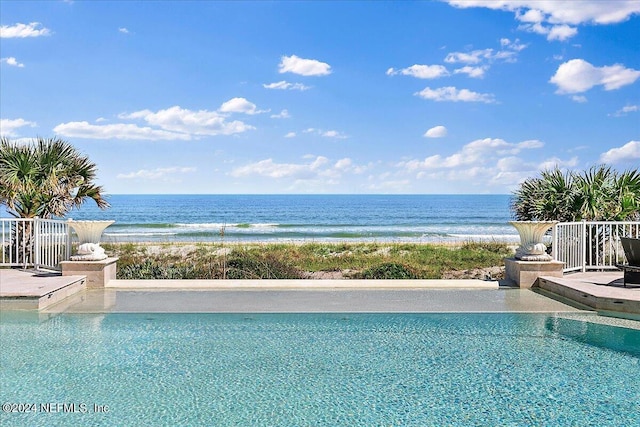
140 234
218 225
496 237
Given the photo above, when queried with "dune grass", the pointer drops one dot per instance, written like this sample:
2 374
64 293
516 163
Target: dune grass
296 261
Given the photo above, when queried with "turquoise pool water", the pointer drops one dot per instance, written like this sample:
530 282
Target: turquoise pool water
317 370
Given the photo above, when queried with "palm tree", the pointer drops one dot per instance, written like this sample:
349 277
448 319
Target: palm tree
46 178
549 197
627 188
598 194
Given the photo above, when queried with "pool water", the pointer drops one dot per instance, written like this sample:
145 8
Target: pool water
318 370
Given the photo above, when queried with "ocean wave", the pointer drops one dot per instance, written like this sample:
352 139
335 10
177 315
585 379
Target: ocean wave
139 234
218 225
497 237
125 225
332 233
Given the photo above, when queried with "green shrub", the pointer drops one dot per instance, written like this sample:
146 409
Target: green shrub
152 270
489 246
247 265
388 270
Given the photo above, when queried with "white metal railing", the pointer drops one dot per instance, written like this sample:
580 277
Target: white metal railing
34 242
591 245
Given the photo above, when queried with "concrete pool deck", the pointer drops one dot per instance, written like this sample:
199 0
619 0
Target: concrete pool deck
34 290
600 291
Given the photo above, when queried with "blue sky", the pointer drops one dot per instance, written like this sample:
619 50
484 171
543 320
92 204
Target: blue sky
325 97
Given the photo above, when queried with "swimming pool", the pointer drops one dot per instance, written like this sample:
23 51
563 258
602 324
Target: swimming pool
318 370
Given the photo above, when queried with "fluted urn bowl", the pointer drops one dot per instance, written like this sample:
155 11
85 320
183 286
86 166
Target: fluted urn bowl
531 234
89 235
89 231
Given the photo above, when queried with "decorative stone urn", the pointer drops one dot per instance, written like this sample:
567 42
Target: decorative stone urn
531 246
89 235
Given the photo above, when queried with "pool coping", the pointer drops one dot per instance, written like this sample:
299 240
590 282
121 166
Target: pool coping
304 284
27 289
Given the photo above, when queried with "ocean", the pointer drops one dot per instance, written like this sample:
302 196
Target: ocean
292 218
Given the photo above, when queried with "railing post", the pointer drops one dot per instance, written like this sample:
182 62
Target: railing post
36 243
584 245
554 242
2 256
67 252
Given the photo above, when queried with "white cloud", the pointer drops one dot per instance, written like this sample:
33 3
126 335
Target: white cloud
626 109
12 61
554 32
313 171
498 173
284 85
326 133
174 123
531 143
154 174
268 168
23 30
555 162
531 16
116 131
333 134
579 98
478 152
508 53
629 152
477 60
561 32
343 163
239 105
559 15
577 75
8 127
284 114
290 135
514 45
303 67
202 122
450 93
123 30
473 57
488 163
420 71
475 72
436 132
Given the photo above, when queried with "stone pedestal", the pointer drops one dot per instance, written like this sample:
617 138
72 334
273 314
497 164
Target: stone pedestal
98 273
526 273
